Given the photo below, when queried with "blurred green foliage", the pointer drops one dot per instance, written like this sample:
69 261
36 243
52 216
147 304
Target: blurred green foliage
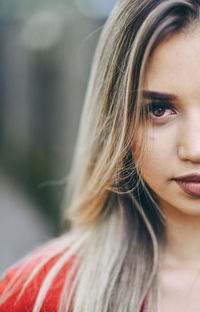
46 87
11 8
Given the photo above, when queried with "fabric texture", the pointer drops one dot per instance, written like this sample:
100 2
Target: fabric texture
27 300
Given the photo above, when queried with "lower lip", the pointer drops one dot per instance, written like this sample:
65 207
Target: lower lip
191 188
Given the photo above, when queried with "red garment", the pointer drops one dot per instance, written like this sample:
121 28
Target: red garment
27 300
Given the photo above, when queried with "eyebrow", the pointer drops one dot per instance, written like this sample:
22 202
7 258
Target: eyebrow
152 95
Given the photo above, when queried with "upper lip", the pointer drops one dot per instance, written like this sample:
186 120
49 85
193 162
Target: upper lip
194 177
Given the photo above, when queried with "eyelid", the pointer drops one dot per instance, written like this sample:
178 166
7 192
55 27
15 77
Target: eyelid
153 104
164 105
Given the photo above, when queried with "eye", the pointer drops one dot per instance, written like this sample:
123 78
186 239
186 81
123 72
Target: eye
160 111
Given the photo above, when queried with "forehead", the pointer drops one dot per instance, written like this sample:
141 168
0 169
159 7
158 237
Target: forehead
174 66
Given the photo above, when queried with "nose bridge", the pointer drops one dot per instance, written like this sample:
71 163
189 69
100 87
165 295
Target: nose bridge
189 143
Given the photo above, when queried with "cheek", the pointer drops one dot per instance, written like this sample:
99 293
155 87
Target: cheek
150 155
143 147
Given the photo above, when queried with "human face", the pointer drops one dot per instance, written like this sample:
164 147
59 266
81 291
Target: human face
173 130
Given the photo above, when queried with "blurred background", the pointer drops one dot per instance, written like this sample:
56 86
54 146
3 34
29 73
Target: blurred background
46 50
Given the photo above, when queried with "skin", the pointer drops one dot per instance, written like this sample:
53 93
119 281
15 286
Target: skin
173 150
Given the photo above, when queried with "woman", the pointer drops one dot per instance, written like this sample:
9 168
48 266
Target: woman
135 184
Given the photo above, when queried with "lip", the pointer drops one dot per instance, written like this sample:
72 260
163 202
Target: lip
190 184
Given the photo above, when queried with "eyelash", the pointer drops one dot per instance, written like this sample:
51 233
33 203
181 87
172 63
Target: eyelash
152 107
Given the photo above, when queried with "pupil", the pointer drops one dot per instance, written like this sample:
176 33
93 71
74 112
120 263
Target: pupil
159 111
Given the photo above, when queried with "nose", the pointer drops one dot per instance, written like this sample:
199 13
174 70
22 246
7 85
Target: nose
189 142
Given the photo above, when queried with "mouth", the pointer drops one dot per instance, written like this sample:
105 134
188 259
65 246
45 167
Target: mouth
190 184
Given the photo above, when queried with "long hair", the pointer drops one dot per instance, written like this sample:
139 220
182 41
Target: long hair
117 230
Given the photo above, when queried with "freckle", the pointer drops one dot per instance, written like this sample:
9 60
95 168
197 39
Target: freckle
152 138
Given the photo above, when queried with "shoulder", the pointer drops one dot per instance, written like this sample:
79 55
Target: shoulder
22 284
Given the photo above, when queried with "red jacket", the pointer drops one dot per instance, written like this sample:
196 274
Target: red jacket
27 300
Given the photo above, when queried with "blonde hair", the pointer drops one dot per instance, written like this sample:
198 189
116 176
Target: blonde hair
116 227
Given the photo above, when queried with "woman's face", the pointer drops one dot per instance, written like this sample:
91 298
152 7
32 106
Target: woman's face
171 162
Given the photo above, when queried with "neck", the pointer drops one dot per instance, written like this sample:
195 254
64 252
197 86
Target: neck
182 248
